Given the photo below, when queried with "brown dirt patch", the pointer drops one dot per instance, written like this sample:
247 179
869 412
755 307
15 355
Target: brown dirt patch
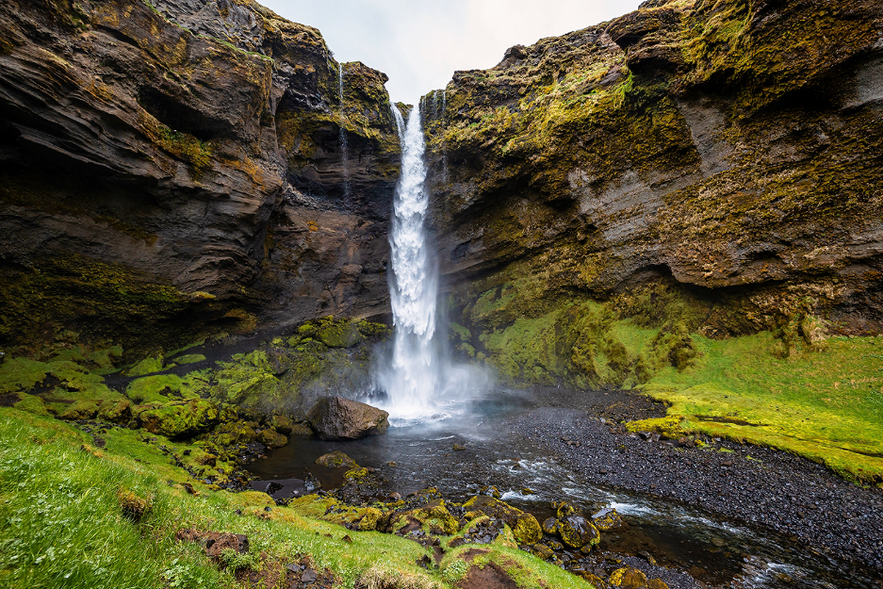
9 399
489 577
470 554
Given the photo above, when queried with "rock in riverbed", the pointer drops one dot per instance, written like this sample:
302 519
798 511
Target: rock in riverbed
336 418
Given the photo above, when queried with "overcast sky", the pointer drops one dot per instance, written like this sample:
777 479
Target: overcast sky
419 44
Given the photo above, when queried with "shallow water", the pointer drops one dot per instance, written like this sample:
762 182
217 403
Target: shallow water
718 552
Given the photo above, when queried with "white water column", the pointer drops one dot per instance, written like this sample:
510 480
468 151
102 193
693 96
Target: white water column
414 376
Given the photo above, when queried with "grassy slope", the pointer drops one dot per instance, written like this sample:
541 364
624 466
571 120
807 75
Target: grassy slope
62 522
827 406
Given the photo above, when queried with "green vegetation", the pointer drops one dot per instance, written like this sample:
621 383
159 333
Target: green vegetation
76 516
796 388
825 405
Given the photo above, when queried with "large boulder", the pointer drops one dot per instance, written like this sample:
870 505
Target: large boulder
525 527
336 418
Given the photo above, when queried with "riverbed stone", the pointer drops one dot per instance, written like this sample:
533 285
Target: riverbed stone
607 519
282 424
337 418
336 459
525 527
578 532
628 578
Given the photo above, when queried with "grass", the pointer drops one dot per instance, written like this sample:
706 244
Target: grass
72 515
824 405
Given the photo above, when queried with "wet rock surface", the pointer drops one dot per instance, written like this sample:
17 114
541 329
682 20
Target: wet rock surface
336 418
764 488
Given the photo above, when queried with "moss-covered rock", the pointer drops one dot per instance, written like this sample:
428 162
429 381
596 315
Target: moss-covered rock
524 526
272 439
115 411
628 578
180 419
81 410
578 532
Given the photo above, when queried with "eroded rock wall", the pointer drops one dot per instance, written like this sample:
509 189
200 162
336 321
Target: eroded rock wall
171 167
730 151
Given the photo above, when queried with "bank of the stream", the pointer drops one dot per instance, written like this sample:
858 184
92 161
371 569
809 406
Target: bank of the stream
195 415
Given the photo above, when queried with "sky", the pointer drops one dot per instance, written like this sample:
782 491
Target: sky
420 44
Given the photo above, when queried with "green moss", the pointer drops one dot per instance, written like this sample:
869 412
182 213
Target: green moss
146 366
189 359
180 419
161 388
669 426
826 405
96 300
186 147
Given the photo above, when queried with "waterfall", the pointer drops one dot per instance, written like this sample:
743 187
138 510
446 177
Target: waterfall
344 147
400 122
414 375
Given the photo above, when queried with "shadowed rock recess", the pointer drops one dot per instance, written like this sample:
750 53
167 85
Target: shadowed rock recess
172 169
722 154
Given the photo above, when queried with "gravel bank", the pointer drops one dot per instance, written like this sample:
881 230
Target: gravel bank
763 488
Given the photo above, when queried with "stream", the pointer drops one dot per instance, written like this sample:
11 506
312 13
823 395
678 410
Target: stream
715 551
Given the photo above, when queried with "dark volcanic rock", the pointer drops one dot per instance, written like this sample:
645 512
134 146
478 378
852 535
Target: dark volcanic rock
688 144
197 180
336 418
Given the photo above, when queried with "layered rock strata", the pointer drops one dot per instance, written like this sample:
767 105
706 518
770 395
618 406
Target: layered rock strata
174 167
729 151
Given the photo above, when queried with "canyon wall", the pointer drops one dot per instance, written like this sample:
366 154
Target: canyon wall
717 165
175 168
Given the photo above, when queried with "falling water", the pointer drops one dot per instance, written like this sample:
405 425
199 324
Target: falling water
400 122
344 147
413 377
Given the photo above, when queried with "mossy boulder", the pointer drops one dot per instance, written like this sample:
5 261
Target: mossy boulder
434 517
115 411
336 459
607 519
578 532
370 517
282 424
527 529
628 578
272 439
524 526
81 410
181 419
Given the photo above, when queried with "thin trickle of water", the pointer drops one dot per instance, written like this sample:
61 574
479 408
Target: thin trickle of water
414 375
399 120
344 147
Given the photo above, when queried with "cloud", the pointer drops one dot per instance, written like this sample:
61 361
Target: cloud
420 44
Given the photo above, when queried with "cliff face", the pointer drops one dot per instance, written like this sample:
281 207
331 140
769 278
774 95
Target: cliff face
726 153
168 168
